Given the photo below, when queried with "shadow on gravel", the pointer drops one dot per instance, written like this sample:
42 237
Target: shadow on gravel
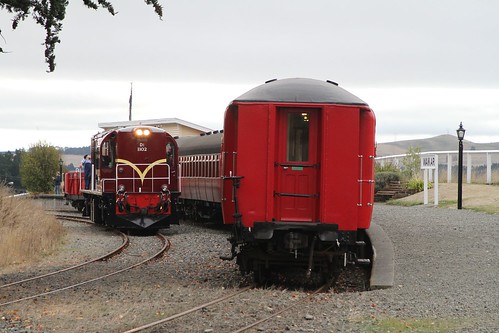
348 280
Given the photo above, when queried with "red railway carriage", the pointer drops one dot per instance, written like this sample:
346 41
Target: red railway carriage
296 175
74 181
134 178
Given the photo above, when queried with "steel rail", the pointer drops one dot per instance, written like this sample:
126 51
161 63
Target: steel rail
181 314
166 246
309 296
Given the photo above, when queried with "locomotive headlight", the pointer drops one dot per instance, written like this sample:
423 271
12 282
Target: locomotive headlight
142 132
121 188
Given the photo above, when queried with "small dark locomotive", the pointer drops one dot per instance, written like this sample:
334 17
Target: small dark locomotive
134 180
293 172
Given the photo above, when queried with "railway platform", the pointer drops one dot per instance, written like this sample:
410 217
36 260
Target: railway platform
382 271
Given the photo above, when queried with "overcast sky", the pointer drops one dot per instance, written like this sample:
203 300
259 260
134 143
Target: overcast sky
423 66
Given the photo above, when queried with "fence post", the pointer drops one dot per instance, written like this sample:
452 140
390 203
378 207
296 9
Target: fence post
449 168
435 184
468 169
489 169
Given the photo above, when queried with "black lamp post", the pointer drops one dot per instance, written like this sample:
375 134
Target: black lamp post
460 136
60 166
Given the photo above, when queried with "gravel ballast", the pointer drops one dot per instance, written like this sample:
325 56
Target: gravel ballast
446 268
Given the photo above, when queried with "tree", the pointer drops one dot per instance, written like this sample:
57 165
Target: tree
412 163
39 166
9 167
50 14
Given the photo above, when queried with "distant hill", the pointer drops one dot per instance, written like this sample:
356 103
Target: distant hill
437 143
76 150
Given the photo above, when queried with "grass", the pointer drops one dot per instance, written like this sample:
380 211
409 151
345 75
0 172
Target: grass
409 325
26 232
476 197
489 209
397 202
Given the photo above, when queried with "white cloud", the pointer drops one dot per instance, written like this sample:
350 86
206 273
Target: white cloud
422 66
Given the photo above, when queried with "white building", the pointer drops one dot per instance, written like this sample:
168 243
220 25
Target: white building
174 126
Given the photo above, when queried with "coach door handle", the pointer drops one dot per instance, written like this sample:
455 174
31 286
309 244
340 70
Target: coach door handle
285 168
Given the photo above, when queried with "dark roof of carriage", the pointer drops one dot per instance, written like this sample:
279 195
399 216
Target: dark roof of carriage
208 143
300 90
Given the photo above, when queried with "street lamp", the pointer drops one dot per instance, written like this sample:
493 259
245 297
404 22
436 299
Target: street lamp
60 166
460 136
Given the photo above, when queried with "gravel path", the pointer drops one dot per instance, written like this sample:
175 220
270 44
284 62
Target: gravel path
446 269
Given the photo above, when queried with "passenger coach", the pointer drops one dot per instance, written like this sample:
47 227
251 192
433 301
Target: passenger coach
296 175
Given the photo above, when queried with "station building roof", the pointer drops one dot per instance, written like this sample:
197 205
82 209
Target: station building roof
174 126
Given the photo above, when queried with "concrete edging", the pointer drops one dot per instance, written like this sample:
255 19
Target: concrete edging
383 266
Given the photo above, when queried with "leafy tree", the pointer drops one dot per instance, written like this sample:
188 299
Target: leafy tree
50 14
39 166
9 167
412 163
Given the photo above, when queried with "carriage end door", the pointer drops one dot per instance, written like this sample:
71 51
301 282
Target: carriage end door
296 190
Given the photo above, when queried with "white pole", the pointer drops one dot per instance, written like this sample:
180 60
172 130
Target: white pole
449 168
435 184
425 194
468 169
489 169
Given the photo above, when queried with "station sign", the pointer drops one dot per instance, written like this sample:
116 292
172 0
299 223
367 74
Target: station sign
428 162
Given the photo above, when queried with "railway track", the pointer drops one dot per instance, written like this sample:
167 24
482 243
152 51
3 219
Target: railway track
297 302
165 245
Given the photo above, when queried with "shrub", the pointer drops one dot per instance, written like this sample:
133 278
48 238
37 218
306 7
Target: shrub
417 185
386 167
382 179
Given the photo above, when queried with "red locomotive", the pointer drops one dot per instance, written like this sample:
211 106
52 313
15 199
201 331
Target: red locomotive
293 172
134 181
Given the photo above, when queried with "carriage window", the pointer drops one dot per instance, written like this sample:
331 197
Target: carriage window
298 131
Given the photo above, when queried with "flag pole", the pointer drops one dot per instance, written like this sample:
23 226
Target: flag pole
130 104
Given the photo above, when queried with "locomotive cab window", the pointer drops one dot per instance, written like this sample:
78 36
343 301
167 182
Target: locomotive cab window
298 133
107 154
170 154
